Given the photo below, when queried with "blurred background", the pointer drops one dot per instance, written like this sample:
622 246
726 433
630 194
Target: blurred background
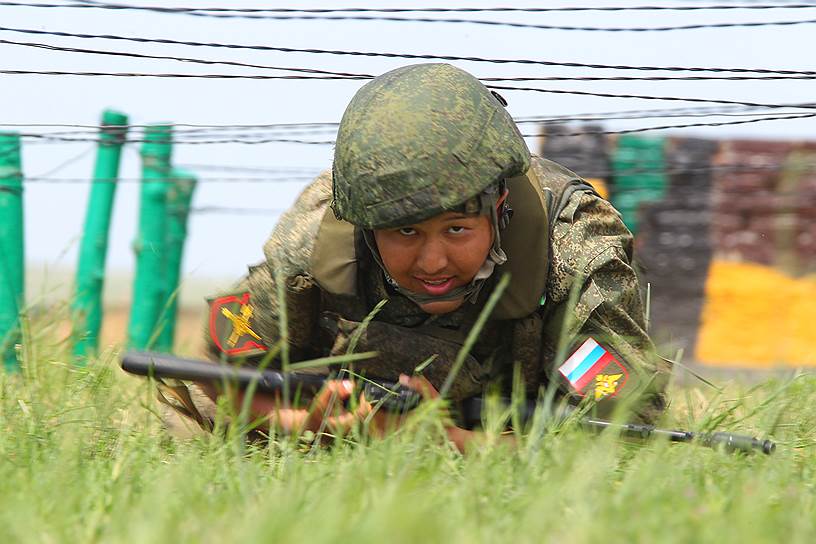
694 118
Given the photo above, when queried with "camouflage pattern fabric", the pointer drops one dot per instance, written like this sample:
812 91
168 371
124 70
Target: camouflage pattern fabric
591 263
406 130
592 291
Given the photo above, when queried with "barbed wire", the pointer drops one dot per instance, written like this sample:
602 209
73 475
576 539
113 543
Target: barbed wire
47 137
170 75
65 164
690 111
193 60
636 96
263 140
166 41
230 134
685 111
192 134
335 76
480 9
169 179
142 126
204 12
606 173
65 139
499 87
755 77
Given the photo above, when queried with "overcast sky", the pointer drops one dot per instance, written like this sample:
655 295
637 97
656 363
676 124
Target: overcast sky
223 244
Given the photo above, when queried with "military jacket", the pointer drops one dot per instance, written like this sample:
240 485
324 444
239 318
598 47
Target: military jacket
571 318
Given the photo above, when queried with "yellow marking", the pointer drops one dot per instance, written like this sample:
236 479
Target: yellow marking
600 186
606 384
756 316
240 324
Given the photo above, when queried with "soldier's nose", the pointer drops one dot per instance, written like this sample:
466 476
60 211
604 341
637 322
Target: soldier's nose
431 258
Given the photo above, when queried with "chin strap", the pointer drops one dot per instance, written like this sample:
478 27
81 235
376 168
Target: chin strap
488 202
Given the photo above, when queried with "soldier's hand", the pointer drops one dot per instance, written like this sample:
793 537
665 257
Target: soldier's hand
458 436
327 411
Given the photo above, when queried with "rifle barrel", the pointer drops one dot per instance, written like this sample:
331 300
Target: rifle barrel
728 441
168 366
471 411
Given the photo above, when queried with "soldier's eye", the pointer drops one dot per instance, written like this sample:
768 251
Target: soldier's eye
407 231
456 229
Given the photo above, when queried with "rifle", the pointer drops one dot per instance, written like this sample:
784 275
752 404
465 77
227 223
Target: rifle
391 397
472 411
396 398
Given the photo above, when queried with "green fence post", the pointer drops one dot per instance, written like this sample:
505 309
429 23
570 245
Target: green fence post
149 296
11 247
90 279
179 197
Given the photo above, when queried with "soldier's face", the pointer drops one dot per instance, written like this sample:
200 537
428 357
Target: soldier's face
437 255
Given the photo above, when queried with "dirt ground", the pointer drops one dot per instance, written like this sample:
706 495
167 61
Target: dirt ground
189 329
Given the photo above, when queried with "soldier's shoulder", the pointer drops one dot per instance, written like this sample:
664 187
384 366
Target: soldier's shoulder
289 247
550 172
587 234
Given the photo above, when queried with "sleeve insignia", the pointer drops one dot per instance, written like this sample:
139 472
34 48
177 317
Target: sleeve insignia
231 326
606 384
592 369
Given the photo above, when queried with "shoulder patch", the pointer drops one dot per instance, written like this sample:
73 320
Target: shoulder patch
231 326
593 370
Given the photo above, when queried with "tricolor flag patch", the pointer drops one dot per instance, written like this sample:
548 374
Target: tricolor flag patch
590 362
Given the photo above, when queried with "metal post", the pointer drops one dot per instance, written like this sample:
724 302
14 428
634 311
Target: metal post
87 303
149 296
179 197
11 247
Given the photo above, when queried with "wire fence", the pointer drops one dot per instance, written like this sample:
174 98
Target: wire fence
734 111
411 56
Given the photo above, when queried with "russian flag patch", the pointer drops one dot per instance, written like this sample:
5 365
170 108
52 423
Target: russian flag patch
592 365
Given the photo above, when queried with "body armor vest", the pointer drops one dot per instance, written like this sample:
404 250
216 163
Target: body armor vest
330 305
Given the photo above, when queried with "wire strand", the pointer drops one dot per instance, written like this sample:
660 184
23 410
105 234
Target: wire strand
639 96
65 164
446 20
51 47
691 111
499 87
138 39
119 6
71 181
166 75
720 168
63 139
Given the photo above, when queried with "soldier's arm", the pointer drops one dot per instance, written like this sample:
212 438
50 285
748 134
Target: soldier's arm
598 315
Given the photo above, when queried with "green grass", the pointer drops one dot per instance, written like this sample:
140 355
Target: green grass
85 459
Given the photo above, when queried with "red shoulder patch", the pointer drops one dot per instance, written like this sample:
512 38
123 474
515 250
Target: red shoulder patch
231 326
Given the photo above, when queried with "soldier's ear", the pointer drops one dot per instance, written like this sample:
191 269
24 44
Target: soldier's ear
503 210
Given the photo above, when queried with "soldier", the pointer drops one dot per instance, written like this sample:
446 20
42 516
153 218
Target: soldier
432 197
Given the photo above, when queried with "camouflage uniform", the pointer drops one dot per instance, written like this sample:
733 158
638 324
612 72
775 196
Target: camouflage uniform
573 290
591 291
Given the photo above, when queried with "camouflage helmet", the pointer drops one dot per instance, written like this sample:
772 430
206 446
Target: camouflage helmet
420 140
